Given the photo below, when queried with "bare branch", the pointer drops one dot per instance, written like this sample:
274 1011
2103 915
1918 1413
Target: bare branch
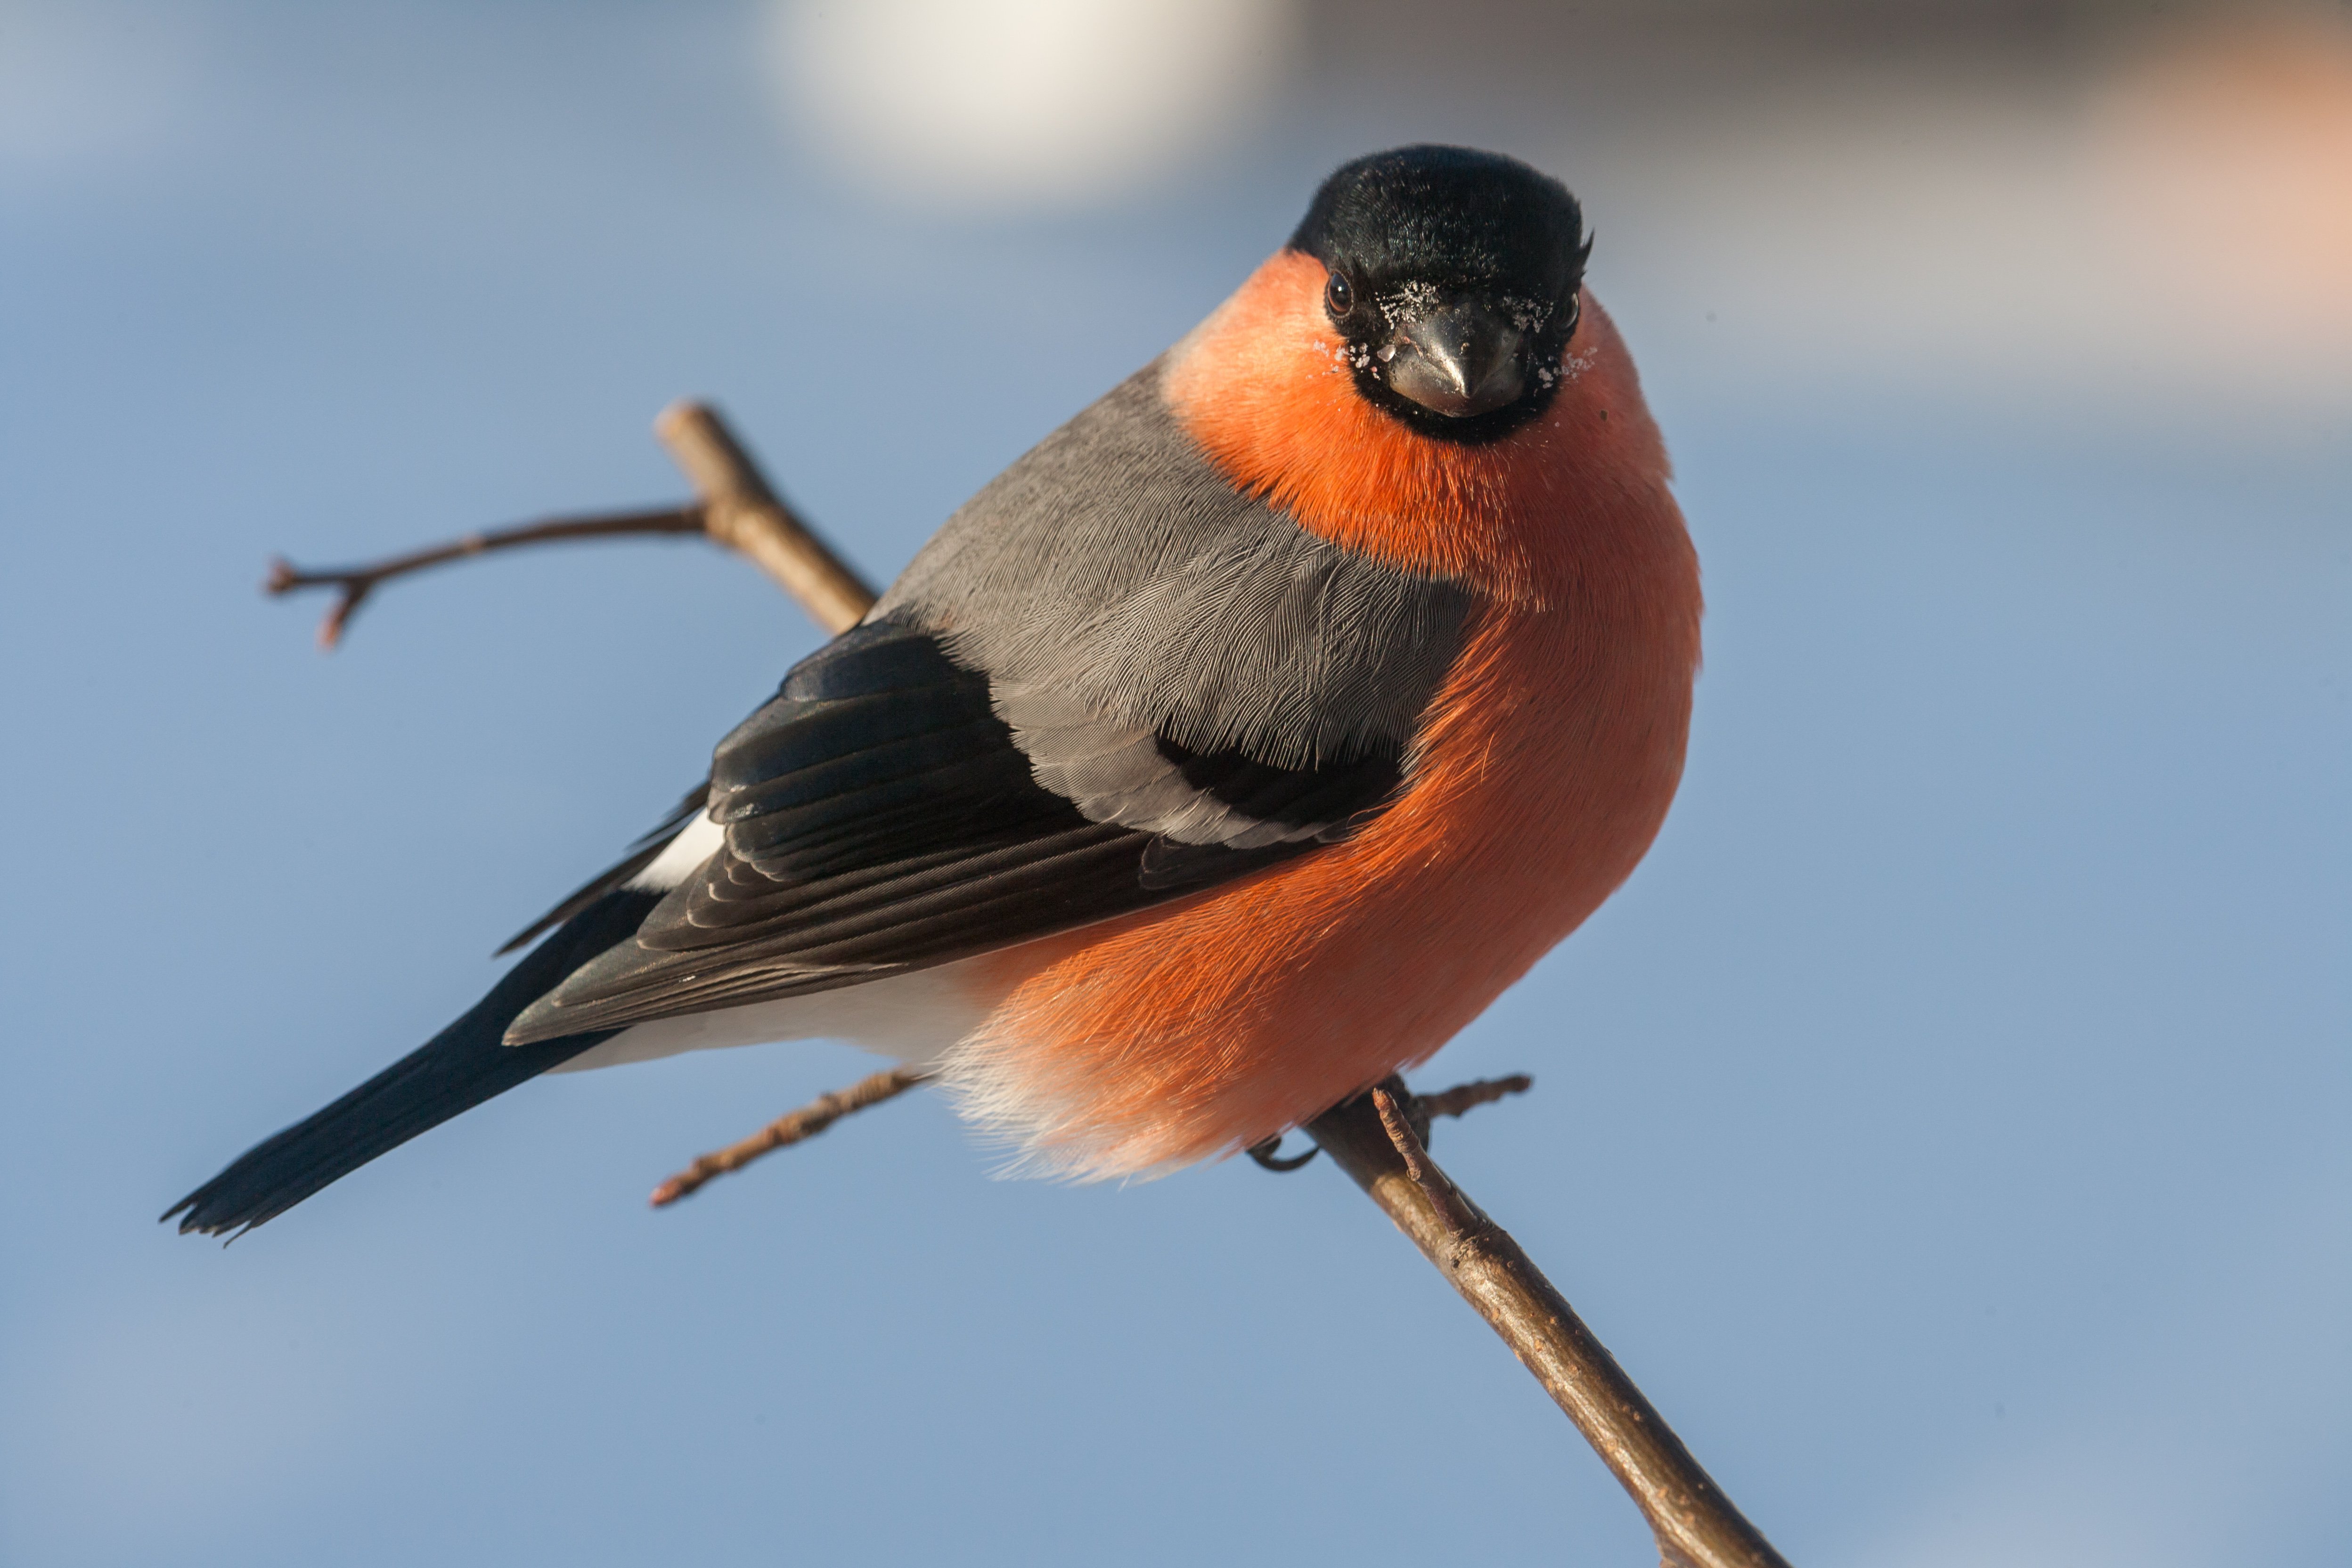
356 583
1381 1139
1453 1210
737 509
745 512
1465 1097
793 1127
1459 1101
1696 1525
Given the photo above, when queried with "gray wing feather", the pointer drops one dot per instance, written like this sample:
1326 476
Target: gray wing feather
1114 567
1111 679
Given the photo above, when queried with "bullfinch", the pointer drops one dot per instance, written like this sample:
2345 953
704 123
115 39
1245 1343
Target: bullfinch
1230 750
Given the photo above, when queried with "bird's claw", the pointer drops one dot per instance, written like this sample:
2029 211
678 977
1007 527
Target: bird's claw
1265 1154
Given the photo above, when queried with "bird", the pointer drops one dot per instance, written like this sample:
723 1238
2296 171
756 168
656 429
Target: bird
1226 753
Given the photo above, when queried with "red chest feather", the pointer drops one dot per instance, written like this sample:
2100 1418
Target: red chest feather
1543 771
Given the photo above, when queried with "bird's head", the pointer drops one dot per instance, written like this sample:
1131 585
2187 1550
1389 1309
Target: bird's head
1452 277
1398 377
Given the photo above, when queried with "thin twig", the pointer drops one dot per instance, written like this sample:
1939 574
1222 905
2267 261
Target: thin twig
1459 1101
793 1127
1696 1525
738 508
1465 1097
1453 1210
744 512
356 583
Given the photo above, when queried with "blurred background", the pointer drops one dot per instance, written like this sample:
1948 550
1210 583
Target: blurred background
1947 1125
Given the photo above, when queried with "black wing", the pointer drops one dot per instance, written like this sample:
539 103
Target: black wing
1111 679
880 815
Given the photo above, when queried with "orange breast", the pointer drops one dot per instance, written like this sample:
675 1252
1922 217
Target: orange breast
1542 774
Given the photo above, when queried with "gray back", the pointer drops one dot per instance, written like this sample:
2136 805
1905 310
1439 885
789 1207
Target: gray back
1113 568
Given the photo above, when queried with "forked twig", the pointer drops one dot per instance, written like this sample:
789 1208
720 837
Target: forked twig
1445 1200
738 508
1379 1137
1459 1101
792 1127
1465 1097
354 583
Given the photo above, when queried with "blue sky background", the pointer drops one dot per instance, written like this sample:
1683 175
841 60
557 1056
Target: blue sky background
1946 1126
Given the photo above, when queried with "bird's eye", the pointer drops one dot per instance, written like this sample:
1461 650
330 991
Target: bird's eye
1338 297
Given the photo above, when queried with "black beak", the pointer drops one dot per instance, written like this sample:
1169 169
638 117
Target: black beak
1459 358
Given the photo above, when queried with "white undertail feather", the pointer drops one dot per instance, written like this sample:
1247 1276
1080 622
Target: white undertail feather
934 1020
683 855
1038 1131
911 1018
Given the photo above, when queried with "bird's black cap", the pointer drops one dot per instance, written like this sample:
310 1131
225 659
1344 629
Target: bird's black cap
1448 214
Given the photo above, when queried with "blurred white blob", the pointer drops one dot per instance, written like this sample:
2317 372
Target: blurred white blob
1026 102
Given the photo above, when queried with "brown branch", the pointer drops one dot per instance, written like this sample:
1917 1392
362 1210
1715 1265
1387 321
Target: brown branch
1380 1139
356 583
745 512
1696 1525
792 1127
1459 1101
1445 1200
737 509
1465 1097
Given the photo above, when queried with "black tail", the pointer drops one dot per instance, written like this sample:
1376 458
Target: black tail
458 1069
